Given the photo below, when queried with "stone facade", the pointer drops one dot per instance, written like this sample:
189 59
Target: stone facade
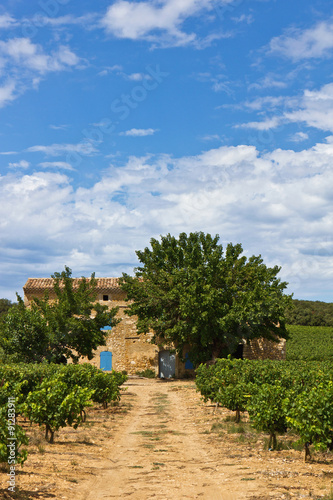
132 352
265 349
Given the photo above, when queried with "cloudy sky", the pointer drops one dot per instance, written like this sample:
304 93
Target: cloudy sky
124 120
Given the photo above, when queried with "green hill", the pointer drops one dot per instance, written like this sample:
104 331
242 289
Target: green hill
310 313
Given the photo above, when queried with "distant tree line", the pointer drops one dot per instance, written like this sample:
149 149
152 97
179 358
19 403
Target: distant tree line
310 313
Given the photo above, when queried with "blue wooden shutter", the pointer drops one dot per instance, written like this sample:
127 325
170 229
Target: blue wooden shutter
106 360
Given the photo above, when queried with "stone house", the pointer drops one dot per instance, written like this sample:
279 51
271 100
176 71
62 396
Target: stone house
126 350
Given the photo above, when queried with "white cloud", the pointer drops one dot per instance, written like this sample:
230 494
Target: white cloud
7 93
269 81
84 148
59 127
139 132
315 109
18 47
266 124
278 204
211 137
138 77
56 164
101 124
20 164
134 77
86 20
244 19
66 58
219 86
141 20
296 44
25 63
299 137
27 199
110 69
7 21
270 102
219 82
22 52
119 71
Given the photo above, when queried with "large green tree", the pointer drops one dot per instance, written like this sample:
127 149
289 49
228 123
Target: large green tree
190 292
52 330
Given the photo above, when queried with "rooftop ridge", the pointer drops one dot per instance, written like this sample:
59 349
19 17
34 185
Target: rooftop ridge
45 283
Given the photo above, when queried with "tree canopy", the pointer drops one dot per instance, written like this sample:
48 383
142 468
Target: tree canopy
191 293
52 330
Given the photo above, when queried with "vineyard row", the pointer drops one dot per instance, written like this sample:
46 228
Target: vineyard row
52 396
278 396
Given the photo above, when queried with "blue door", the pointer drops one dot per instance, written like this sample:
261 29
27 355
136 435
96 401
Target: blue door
106 360
167 364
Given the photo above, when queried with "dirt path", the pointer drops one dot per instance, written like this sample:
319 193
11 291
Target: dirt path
164 449
157 451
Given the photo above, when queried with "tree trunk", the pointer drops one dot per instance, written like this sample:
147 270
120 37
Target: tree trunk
272 441
52 437
307 451
47 431
218 347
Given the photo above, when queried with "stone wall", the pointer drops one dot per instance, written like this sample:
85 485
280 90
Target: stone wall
265 349
130 351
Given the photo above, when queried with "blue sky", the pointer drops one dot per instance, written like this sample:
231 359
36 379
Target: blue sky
121 121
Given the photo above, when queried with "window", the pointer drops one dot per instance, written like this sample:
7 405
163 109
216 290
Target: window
105 297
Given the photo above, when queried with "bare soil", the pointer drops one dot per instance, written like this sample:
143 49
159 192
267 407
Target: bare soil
162 442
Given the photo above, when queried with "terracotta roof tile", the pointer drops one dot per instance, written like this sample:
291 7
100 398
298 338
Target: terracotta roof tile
47 283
